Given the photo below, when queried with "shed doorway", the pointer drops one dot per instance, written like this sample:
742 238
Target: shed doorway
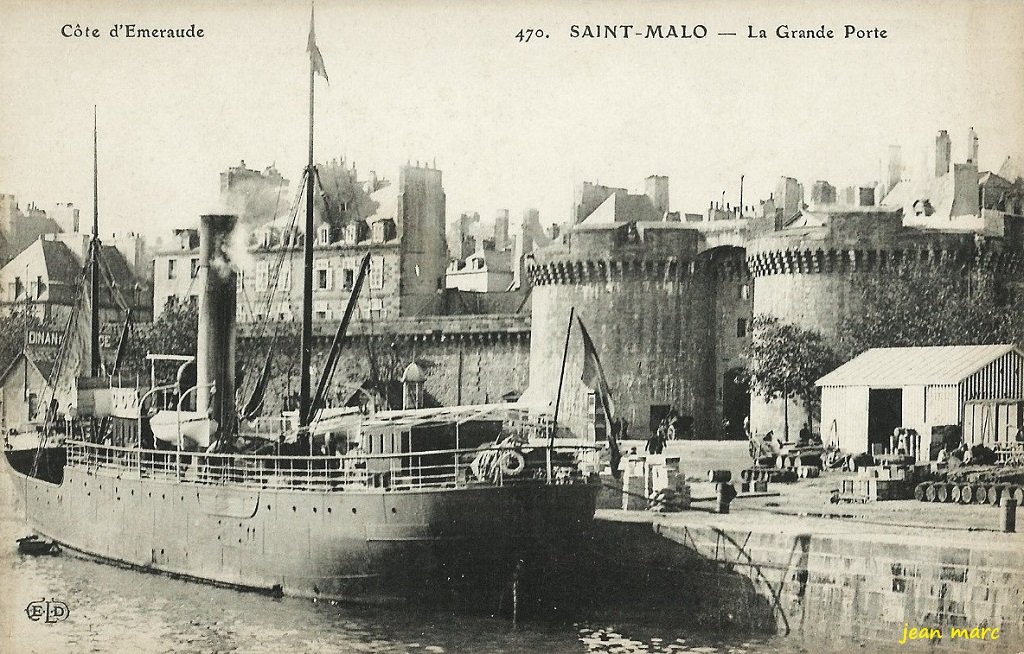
885 414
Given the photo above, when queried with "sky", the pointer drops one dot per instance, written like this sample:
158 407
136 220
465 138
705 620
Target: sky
512 125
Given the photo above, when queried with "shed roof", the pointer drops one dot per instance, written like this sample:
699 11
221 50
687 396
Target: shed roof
892 367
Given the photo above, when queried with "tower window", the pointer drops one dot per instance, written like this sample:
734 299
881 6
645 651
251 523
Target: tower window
741 328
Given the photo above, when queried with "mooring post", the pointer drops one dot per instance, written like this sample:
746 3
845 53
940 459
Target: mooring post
726 493
1009 515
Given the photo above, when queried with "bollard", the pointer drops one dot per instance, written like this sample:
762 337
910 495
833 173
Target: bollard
1009 515
726 493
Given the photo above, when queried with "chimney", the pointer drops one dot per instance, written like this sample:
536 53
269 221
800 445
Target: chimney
895 171
942 152
972 146
215 356
656 188
501 230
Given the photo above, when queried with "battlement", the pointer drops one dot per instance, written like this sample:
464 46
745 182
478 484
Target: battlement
877 241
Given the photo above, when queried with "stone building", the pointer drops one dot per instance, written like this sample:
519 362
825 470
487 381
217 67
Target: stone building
18 229
808 275
484 271
402 227
460 355
667 304
47 276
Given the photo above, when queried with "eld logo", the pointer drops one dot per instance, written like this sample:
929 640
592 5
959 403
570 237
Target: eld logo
49 612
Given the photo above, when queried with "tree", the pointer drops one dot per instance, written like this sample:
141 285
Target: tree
785 361
174 332
918 307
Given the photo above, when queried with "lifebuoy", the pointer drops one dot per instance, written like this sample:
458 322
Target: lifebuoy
511 463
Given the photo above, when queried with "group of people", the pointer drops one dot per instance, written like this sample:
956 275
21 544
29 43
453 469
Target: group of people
673 426
962 455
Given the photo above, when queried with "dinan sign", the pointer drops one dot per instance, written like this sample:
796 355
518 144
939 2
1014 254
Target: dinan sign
47 338
43 338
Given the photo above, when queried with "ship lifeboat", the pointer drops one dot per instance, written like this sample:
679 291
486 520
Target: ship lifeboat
195 429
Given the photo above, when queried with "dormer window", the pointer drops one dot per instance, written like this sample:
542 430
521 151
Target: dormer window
325 235
383 230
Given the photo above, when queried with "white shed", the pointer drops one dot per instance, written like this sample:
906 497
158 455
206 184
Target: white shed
865 399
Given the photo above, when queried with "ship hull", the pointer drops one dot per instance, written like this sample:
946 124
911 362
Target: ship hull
373 545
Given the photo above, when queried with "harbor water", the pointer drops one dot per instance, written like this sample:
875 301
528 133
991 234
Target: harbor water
118 610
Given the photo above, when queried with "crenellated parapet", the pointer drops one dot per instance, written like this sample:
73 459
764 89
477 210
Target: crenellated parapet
649 252
877 242
852 260
589 271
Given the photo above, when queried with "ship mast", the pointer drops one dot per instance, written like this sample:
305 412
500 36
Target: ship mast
94 277
316 65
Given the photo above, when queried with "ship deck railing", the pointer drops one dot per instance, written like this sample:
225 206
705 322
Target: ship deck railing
497 465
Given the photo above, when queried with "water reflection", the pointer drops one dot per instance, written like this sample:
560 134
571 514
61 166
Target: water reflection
115 610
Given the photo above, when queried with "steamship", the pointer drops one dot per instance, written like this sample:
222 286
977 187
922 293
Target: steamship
320 503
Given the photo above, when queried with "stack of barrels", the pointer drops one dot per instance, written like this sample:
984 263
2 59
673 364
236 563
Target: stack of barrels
774 475
968 493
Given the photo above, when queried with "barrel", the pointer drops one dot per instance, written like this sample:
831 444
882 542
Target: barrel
931 493
719 476
966 493
919 491
956 495
997 493
986 494
1016 492
807 472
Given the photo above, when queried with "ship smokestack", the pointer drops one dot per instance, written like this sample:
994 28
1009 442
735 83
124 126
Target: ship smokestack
215 356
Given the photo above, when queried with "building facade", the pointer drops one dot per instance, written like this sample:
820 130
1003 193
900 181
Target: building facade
47 278
401 227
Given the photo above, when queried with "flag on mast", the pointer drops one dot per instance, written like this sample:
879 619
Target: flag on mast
316 60
593 376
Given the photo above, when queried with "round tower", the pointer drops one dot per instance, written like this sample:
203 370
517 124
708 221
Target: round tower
810 275
646 295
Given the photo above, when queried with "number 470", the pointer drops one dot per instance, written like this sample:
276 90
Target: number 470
525 35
